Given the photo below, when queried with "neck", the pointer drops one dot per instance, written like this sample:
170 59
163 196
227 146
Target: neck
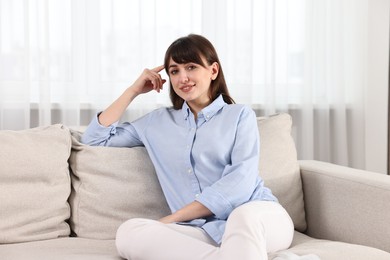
194 111
199 103
197 107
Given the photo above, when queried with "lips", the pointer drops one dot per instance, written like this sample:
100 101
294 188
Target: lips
187 88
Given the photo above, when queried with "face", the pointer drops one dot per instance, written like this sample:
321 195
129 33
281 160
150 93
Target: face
191 82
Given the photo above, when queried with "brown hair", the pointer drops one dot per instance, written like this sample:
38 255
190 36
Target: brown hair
192 48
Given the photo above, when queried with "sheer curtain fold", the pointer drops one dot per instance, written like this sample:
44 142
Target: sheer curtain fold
63 60
336 77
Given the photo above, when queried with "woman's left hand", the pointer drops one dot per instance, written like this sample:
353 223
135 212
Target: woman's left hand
167 220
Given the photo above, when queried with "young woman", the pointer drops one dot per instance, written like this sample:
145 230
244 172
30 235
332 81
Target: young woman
205 150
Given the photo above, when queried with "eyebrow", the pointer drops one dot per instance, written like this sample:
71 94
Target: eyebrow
173 65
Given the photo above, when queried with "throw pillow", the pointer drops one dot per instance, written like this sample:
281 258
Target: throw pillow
112 185
35 184
279 165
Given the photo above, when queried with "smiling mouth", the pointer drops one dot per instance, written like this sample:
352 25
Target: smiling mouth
187 88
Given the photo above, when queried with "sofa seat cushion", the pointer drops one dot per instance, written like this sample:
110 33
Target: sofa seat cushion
74 248
330 250
69 248
35 184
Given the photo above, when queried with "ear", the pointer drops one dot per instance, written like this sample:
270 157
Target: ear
214 70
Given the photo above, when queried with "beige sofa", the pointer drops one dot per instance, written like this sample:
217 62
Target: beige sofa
60 199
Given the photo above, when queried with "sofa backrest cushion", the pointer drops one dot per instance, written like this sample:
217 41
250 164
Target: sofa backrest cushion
279 165
35 184
110 186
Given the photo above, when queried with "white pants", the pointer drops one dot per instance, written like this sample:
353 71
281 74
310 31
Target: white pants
252 230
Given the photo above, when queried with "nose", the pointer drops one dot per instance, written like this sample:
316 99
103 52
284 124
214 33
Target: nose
183 77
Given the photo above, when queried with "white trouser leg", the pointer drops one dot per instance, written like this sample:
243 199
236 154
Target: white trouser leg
255 229
252 230
144 239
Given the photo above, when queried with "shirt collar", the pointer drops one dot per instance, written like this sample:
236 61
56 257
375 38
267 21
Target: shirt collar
208 112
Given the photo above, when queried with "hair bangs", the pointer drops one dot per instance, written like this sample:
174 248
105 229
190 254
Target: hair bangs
185 51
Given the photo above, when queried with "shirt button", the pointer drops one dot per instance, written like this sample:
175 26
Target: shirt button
196 195
189 170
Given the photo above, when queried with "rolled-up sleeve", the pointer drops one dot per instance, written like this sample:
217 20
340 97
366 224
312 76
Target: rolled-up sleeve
239 178
115 135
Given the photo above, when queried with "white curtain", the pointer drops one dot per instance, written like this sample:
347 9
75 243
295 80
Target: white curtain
63 60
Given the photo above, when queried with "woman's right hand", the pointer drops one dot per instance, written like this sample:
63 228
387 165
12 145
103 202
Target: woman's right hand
149 80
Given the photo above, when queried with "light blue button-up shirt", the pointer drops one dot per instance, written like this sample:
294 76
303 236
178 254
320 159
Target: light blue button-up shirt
213 160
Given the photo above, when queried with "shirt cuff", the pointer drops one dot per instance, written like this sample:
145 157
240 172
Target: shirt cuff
96 132
216 203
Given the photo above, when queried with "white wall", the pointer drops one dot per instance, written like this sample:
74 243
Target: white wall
377 92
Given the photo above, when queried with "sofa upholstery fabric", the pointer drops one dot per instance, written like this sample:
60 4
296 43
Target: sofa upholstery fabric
95 249
35 184
328 191
279 165
110 186
334 250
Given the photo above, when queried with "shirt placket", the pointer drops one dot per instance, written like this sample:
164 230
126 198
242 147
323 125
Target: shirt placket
195 186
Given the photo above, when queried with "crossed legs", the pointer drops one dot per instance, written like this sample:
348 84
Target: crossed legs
252 230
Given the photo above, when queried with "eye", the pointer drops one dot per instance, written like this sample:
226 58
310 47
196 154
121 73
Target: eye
191 67
173 72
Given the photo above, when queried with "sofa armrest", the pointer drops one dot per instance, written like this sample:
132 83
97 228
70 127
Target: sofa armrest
346 204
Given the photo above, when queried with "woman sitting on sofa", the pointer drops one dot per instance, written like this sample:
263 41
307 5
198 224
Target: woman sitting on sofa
205 150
